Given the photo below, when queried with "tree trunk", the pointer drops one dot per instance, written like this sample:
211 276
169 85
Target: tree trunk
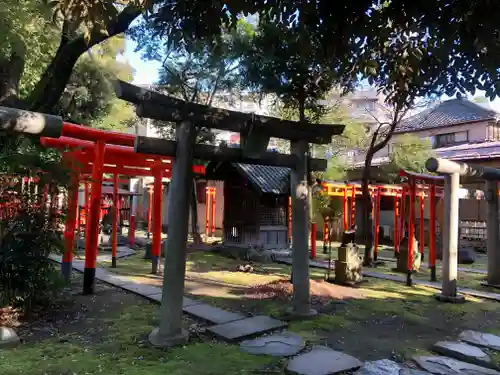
367 212
53 81
194 216
11 71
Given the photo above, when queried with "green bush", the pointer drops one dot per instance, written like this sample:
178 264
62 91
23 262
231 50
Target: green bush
27 276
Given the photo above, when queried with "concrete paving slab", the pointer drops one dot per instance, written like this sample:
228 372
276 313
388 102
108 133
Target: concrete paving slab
212 314
244 328
186 302
156 297
322 360
142 289
387 367
485 340
282 344
451 366
463 352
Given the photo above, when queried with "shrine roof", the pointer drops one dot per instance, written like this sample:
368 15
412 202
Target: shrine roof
268 179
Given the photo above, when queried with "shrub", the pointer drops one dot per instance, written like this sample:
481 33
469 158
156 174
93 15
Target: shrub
27 275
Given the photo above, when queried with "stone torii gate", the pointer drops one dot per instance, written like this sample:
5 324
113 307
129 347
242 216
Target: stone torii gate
452 172
255 133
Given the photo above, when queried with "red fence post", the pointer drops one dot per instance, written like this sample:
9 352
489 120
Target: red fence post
377 224
157 220
395 234
422 223
116 210
411 232
92 233
69 232
432 232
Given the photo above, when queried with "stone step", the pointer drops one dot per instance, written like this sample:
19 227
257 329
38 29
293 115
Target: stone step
484 340
463 352
322 360
212 314
282 344
241 329
441 365
387 367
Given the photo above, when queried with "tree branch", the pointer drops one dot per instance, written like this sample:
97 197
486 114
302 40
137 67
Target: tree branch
51 85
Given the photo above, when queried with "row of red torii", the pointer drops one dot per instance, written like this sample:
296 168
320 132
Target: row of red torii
92 153
95 152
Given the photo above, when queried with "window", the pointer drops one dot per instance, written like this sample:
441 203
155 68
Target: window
365 105
449 139
494 132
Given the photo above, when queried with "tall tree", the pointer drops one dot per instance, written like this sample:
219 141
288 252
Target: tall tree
89 96
198 74
74 26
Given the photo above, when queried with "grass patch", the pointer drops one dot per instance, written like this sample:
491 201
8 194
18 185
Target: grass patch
395 321
213 267
121 348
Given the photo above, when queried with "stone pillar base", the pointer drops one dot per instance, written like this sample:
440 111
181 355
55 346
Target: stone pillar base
160 341
459 298
292 314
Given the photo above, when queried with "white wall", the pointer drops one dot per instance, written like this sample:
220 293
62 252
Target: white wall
477 132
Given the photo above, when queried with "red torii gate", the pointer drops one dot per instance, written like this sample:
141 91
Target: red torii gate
96 152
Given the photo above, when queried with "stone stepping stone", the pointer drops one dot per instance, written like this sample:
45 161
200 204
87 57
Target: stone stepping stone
8 337
186 302
212 314
322 360
485 340
142 289
463 352
283 344
113 279
243 328
387 367
451 366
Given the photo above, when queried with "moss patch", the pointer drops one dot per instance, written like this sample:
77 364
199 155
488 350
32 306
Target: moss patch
107 334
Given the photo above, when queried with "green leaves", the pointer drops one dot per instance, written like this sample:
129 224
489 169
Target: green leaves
410 153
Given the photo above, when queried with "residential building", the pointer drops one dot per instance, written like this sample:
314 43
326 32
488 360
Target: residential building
365 105
458 130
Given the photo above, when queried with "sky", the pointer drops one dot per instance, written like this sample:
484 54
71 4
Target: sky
146 73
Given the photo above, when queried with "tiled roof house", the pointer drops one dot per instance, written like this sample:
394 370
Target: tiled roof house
458 129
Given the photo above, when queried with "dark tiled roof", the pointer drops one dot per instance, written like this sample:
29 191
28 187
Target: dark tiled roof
447 113
462 152
268 179
470 151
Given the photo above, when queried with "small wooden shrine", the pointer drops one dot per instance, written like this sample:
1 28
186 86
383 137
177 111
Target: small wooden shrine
256 204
